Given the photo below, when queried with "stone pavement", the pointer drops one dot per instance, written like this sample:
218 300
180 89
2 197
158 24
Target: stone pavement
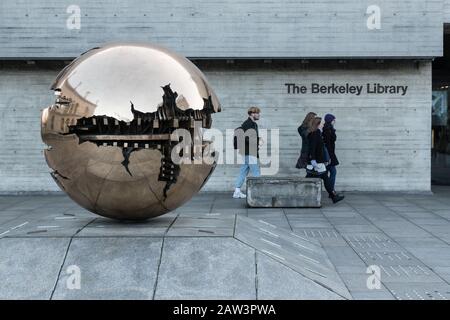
208 249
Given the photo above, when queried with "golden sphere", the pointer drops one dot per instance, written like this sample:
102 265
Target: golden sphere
110 131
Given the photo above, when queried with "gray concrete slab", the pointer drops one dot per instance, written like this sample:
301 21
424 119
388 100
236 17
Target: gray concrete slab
421 242
433 256
204 221
389 258
443 272
355 228
200 232
276 281
344 256
376 242
206 268
102 227
431 291
45 227
309 222
372 295
29 267
325 236
302 254
280 222
111 268
408 274
407 236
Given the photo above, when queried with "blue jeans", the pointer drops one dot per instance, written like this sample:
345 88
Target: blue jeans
332 170
250 165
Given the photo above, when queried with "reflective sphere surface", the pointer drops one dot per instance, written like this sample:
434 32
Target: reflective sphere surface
110 131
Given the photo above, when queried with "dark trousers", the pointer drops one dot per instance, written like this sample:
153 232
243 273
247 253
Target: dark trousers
326 181
332 170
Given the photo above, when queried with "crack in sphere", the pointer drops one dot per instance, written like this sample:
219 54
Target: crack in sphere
109 130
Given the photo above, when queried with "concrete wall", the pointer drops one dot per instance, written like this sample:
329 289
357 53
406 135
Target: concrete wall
383 140
446 11
232 28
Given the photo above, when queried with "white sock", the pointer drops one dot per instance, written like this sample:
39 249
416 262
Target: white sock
237 190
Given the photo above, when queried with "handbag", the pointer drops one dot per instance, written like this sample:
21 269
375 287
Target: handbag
313 172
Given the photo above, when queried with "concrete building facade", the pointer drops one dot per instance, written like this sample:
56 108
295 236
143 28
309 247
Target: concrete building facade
370 63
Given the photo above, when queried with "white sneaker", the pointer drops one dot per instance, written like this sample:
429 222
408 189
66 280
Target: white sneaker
239 195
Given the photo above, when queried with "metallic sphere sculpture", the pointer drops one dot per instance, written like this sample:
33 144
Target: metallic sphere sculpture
109 131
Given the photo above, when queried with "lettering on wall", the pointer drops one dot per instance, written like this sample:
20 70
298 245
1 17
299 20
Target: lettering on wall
347 88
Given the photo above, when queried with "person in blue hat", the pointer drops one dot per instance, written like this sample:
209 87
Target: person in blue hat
329 138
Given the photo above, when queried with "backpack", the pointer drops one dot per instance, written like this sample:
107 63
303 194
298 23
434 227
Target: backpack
235 141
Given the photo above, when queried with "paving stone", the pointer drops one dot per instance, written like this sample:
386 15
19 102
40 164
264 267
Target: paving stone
276 281
200 232
111 268
45 227
212 221
29 267
433 256
389 258
371 242
420 242
279 222
113 228
309 222
445 213
336 221
408 209
363 229
340 212
302 212
344 256
437 291
372 295
407 274
443 272
421 216
354 228
302 254
326 236
206 268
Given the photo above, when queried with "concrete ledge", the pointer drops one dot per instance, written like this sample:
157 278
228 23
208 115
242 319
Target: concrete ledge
284 192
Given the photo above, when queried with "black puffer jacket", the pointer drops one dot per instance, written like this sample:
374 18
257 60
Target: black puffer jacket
329 138
250 138
316 147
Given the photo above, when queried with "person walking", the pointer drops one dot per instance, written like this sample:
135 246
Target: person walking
329 138
250 152
303 131
317 159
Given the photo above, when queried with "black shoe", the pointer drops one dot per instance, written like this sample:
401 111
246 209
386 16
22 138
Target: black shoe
330 196
337 198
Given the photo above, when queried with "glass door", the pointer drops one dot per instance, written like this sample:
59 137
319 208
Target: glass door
440 149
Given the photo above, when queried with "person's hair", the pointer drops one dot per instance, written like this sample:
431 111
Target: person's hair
308 119
315 123
253 110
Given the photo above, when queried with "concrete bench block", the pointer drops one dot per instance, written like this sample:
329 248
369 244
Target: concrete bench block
284 192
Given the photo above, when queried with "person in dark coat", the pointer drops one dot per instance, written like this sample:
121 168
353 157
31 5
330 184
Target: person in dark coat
318 159
329 138
303 131
249 151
